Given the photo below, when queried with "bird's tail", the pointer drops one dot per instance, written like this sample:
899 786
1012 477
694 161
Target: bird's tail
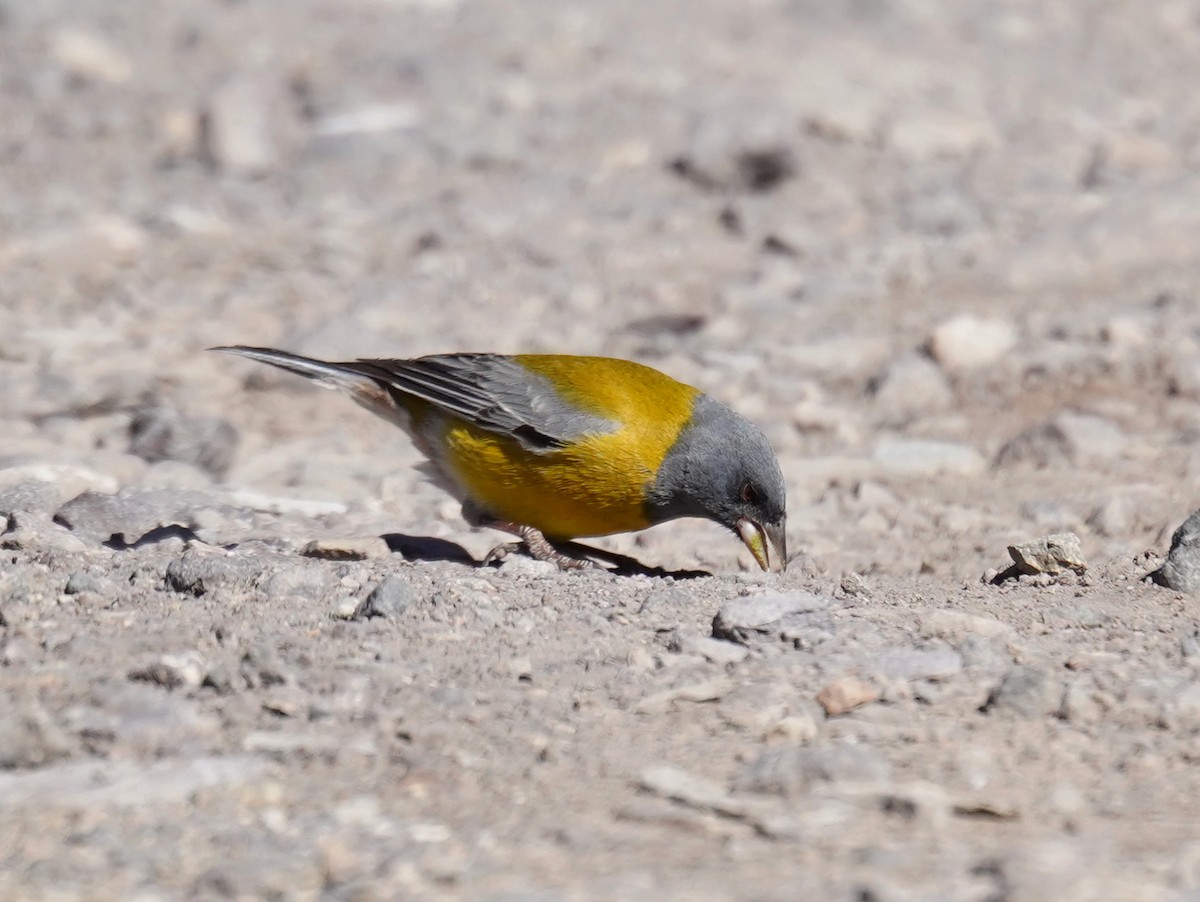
344 377
330 375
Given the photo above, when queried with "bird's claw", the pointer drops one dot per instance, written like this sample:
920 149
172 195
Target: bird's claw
500 552
538 547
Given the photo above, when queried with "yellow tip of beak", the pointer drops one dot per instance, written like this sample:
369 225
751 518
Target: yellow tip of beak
756 537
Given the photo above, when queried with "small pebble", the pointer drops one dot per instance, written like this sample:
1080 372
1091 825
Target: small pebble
845 695
716 651
391 598
348 609
1028 691
1050 554
764 613
969 342
174 671
81 581
357 549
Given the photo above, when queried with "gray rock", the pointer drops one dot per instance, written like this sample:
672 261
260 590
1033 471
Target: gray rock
1076 616
14 650
160 433
985 654
916 663
43 497
281 745
1071 868
757 707
1050 515
802 727
1091 437
522 566
200 572
307 579
744 150
178 476
1027 691
715 651
131 514
1181 571
136 719
81 581
34 530
672 783
391 598
1080 703
928 457
1068 439
289 701
261 666
957 625
766 614
1183 708
29 737
1112 518
910 386
174 671
704 691
837 358
89 785
795 769
659 609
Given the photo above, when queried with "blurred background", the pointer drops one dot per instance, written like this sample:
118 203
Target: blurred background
789 203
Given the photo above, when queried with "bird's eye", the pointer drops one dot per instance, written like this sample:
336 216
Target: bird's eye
749 493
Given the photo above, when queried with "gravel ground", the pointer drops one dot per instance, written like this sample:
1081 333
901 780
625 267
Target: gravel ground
945 254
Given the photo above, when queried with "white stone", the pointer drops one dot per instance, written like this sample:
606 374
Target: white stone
966 342
926 457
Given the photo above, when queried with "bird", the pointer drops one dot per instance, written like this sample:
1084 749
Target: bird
555 447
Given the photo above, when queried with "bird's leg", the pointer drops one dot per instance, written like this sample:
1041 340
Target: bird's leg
542 549
532 540
539 547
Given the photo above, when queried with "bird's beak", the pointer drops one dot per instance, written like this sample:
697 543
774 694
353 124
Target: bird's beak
756 537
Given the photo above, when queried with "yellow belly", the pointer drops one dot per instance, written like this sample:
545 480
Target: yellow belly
595 486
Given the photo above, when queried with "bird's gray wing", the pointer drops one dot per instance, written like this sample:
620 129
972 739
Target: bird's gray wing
492 392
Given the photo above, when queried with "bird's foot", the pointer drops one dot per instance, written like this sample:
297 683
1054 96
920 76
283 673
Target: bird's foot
500 552
538 547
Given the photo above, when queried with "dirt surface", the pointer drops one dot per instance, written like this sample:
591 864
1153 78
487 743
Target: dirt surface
946 254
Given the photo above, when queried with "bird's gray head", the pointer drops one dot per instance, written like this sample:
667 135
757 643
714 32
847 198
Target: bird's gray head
722 468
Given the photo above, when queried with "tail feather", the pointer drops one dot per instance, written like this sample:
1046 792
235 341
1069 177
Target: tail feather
329 375
362 388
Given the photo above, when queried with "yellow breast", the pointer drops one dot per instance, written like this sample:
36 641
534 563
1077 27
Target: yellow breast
595 486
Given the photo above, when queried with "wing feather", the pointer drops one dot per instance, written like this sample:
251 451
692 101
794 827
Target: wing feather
491 391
